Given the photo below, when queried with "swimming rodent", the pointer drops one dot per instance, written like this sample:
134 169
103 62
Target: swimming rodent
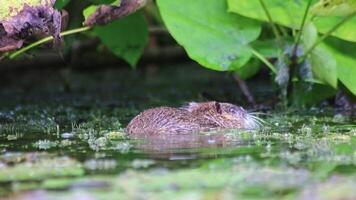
194 117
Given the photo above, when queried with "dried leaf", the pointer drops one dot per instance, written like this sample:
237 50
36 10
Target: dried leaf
334 7
30 21
105 14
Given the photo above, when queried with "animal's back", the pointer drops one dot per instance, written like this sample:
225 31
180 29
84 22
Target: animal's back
163 120
192 118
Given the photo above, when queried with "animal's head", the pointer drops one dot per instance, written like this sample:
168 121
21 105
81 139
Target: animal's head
226 115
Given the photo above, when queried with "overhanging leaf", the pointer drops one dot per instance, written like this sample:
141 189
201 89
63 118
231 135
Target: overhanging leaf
323 63
105 14
21 21
290 14
334 7
324 66
126 37
345 55
10 8
211 36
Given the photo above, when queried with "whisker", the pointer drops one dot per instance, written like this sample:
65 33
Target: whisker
259 113
258 119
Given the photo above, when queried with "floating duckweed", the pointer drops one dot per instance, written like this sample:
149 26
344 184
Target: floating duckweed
122 147
98 143
293 158
306 130
65 143
115 135
339 118
45 144
12 137
39 167
142 163
337 187
100 164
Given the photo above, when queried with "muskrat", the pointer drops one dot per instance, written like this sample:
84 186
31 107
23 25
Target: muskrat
195 117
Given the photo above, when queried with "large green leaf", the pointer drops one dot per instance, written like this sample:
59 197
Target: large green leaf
324 66
126 37
211 36
345 55
323 63
290 13
287 13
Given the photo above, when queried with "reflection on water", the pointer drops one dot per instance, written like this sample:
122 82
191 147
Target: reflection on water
189 146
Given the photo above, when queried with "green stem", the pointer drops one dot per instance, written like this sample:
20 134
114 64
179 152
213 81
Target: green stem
299 36
47 39
264 60
327 34
274 27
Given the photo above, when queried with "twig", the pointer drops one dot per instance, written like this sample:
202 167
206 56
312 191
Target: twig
244 89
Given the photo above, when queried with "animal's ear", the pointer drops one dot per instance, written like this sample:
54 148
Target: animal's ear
218 107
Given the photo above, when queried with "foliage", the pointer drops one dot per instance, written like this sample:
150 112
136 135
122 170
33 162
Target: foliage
309 58
216 39
304 42
126 38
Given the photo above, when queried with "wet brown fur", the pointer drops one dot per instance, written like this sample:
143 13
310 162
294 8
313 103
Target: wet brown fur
194 117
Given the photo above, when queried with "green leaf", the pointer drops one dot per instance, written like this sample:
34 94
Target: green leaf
126 37
324 65
309 35
334 7
347 71
61 4
211 36
89 11
345 55
250 69
268 48
346 31
304 97
287 13
290 14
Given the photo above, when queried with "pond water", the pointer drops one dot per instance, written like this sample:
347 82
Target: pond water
58 144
